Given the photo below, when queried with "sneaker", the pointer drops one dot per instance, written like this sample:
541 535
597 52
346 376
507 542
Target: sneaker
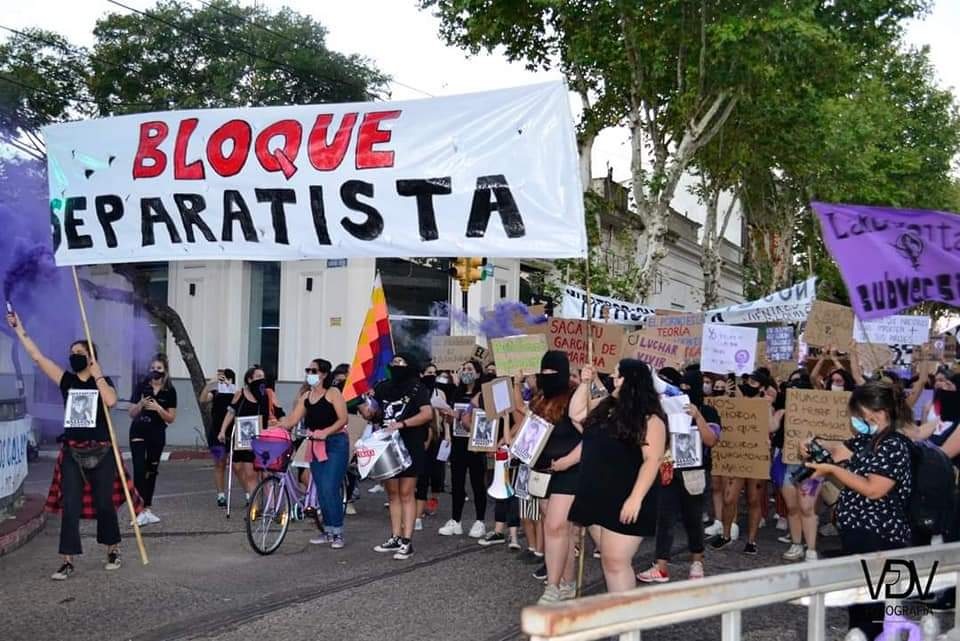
376 489
390 545
719 542
336 542
786 538
750 549
221 500
705 519
653 575
418 525
715 529
596 553
763 523
540 574
828 529
734 532
151 517
811 555
113 562
493 538
451 528
514 545
405 551
782 524
696 570
351 510
322 539
63 573
551 594
142 519
530 556
795 553
478 530
568 591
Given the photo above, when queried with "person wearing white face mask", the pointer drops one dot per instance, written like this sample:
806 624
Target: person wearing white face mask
324 413
874 470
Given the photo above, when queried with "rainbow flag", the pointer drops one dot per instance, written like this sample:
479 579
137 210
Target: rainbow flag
374 348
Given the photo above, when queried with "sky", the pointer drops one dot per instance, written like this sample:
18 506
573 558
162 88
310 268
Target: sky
404 43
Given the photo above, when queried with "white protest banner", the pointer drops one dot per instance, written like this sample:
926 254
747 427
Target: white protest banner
488 174
574 305
13 455
779 344
728 348
893 330
790 305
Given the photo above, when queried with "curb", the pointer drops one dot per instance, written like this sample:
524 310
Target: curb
26 524
175 455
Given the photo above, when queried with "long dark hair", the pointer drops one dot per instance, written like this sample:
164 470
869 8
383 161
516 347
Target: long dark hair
463 388
161 358
626 415
878 396
848 383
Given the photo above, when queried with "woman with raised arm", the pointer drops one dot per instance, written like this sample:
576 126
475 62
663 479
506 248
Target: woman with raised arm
624 439
86 456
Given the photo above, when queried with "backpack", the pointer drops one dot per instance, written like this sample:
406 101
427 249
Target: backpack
932 497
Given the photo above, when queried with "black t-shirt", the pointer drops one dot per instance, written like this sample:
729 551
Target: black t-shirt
218 412
149 424
70 381
398 405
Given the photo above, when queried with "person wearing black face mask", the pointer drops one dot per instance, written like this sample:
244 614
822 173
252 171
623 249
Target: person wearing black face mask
219 394
82 492
402 404
433 470
155 408
254 399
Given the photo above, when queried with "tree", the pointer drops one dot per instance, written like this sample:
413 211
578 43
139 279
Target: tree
172 56
672 71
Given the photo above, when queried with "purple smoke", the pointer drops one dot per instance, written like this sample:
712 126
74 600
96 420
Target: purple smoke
31 264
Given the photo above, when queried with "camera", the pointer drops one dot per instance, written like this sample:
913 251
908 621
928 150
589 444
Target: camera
818 454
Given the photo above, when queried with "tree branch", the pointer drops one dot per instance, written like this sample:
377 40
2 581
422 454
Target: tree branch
727 215
703 50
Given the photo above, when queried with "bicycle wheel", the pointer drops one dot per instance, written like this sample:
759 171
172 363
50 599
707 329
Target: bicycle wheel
268 516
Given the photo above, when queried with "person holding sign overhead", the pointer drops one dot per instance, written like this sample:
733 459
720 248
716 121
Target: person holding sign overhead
86 456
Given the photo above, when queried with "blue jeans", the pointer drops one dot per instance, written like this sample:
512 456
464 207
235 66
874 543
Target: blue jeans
327 477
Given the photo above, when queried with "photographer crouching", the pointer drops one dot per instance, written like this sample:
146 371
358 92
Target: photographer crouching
874 470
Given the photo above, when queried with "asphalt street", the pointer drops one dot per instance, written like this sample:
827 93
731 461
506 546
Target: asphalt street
205 582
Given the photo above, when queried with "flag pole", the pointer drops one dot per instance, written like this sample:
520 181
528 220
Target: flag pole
113 436
589 302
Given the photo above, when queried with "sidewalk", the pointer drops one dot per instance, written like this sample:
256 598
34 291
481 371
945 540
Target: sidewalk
27 522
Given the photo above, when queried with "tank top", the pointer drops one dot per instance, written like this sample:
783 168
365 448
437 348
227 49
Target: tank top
319 415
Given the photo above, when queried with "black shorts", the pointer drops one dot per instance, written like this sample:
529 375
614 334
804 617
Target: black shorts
564 482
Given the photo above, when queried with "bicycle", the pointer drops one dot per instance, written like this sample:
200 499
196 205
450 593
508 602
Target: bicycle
278 499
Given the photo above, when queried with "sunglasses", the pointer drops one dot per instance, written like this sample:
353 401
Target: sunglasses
311 370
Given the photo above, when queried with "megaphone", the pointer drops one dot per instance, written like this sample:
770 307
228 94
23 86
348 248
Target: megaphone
500 489
662 387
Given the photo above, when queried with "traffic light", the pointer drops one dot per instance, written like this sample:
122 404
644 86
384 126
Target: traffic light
468 271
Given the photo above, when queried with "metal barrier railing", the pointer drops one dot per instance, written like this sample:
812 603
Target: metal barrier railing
817 584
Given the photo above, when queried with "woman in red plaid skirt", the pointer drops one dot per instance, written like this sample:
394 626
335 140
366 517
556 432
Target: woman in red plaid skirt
85 480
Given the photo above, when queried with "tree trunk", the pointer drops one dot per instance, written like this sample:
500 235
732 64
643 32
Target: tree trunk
710 261
163 314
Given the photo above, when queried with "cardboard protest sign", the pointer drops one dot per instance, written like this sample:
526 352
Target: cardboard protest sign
486 174
498 396
571 336
450 352
874 357
728 348
679 328
779 344
519 353
814 413
484 355
893 330
656 352
940 348
523 321
829 324
744 447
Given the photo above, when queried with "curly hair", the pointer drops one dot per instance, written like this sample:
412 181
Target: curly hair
625 415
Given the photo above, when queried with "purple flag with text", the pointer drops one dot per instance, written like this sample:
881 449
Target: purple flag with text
892 259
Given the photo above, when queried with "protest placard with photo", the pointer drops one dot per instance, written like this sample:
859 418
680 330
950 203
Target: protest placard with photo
459 409
686 449
814 413
744 449
829 324
81 409
531 439
483 435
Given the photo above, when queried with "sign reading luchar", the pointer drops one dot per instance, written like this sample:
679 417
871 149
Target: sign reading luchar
487 174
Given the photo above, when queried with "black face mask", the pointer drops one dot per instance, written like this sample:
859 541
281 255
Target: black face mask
750 392
78 362
552 384
257 388
429 381
157 376
401 373
339 383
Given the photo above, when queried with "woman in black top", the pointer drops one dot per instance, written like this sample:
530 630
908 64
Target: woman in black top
623 444
874 470
153 408
402 403
462 460
324 414
87 436
219 393
253 400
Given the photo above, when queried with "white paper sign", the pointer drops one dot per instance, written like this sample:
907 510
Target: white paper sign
788 305
728 348
501 396
81 409
679 423
893 330
487 174
674 404
14 436
574 305
226 388
443 452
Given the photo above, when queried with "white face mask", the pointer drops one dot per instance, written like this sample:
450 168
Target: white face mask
313 380
837 388
707 389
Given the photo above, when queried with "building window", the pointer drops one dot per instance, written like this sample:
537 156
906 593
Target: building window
264 348
417 299
531 285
